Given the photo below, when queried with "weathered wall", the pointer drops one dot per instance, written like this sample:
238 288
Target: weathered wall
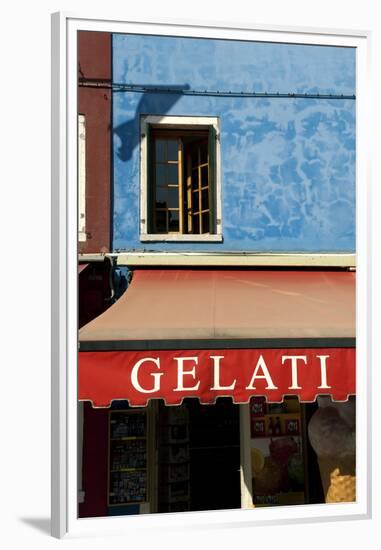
288 165
94 462
94 62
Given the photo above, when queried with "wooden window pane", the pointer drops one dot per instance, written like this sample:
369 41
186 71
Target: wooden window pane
160 150
204 152
172 149
204 176
195 179
161 221
161 197
161 174
205 222
196 224
205 199
195 202
174 220
194 156
173 197
173 174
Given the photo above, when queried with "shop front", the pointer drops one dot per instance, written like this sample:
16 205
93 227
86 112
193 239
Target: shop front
204 389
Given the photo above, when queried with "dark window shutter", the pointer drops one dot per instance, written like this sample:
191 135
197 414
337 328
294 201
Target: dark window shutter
212 137
150 180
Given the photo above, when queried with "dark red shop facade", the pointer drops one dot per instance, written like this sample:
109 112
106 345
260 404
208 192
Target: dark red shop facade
199 386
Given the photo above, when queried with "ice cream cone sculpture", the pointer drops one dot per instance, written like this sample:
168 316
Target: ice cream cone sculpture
332 435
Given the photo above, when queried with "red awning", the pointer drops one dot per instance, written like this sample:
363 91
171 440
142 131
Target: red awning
81 267
209 333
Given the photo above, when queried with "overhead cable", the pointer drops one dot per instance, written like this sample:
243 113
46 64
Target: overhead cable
178 90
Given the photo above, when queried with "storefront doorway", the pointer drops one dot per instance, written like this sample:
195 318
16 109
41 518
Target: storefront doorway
214 455
199 456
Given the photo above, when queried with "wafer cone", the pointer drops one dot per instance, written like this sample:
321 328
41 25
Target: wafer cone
338 476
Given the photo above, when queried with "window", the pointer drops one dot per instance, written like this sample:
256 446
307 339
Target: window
180 198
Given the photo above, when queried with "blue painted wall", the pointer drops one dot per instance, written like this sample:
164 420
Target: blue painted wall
288 165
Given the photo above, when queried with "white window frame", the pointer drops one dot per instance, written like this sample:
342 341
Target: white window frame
177 123
82 178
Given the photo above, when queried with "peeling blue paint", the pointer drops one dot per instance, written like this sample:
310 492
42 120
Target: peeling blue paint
288 165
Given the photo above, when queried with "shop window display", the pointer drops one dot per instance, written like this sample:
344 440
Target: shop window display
285 445
278 454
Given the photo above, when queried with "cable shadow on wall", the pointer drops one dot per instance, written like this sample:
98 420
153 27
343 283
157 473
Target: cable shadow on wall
154 103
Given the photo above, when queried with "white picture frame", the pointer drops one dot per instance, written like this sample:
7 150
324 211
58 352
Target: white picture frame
64 288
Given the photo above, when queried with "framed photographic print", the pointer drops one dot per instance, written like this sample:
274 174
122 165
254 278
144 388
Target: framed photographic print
211 286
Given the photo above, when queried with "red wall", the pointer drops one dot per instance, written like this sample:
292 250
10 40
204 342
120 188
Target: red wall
94 62
94 291
94 56
95 456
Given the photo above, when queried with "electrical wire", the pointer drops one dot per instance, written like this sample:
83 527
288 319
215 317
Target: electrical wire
136 88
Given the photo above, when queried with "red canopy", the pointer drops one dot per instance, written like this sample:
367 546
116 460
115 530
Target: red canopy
81 267
209 333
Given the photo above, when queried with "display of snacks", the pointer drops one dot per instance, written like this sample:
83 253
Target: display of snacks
174 415
257 461
174 433
125 424
258 406
258 427
128 487
128 454
292 426
274 419
277 461
127 457
277 467
173 459
175 453
175 472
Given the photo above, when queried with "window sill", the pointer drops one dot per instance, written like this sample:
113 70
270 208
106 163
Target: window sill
180 238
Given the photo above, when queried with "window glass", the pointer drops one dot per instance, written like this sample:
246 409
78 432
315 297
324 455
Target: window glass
194 156
196 224
160 150
172 149
173 197
205 199
204 152
194 176
205 222
173 173
161 197
195 202
161 221
173 216
204 176
161 174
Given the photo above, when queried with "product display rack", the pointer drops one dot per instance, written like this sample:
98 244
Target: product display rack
278 453
174 462
128 475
